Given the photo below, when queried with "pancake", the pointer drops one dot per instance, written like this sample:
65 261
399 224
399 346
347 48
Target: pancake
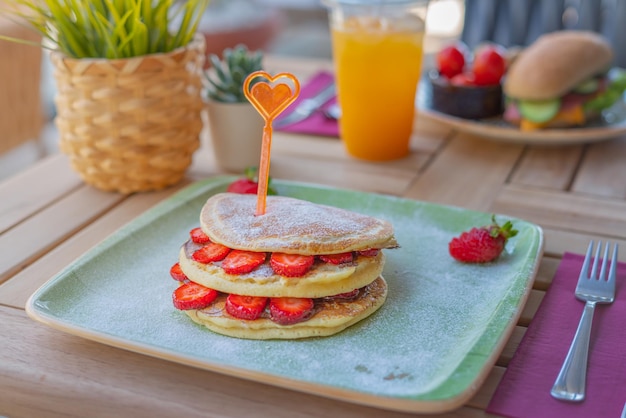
331 317
324 279
291 226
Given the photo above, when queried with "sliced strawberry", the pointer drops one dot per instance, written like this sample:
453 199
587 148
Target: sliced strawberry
245 307
287 311
177 273
372 252
193 296
291 265
337 258
210 252
198 236
242 262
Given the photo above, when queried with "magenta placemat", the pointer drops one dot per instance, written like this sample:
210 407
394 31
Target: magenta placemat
317 123
524 391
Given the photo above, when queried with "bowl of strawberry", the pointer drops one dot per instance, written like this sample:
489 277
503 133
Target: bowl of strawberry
468 88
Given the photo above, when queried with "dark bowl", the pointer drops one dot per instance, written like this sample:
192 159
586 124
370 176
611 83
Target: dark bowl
468 102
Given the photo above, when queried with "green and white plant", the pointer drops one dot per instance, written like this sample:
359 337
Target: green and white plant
227 75
109 28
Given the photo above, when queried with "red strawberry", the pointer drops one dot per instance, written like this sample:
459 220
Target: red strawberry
245 307
287 311
193 296
249 184
198 236
241 262
177 273
243 186
372 252
481 245
291 265
210 252
337 258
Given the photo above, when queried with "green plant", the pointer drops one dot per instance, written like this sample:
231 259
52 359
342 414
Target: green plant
227 75
110 28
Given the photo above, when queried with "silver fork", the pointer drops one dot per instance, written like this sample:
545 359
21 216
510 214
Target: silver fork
592 289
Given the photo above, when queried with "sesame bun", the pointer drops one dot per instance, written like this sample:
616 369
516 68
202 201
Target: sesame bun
555 63
291 226
330 317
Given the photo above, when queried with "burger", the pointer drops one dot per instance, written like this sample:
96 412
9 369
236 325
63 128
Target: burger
561 80
299 270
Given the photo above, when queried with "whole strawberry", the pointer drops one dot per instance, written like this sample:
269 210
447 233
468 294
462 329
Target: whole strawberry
481 245
248 184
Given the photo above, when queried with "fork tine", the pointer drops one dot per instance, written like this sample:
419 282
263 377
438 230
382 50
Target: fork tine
594 268
612 270
585 268
605 261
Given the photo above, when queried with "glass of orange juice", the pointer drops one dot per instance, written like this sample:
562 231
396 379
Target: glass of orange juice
377 54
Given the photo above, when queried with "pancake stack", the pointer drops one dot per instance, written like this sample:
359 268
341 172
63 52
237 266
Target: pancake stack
299 270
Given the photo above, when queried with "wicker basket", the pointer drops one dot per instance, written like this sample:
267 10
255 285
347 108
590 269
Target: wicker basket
130 125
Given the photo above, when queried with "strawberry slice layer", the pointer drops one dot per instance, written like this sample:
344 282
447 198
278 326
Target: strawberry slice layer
177 273
242 262
210 252
198 236
287 311
245 307
193 296
291 265
337 258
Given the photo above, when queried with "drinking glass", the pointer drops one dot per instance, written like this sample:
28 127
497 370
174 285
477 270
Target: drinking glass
377 54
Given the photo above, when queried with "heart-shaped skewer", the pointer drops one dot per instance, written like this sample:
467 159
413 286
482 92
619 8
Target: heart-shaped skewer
270 95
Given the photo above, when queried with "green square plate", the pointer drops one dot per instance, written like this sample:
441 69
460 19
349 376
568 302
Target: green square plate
428 348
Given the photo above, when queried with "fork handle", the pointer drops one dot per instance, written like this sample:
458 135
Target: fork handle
570 383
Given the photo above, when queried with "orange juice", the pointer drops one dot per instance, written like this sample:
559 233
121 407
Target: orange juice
377 68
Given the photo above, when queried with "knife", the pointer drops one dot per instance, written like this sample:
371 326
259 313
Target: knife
307 107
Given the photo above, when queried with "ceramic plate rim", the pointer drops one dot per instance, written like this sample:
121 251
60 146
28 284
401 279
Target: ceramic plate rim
399 403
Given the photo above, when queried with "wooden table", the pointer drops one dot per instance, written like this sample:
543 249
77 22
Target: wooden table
48 217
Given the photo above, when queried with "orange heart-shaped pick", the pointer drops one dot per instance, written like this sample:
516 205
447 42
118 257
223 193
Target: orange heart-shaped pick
273 96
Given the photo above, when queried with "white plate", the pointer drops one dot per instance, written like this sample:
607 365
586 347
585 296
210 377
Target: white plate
611 125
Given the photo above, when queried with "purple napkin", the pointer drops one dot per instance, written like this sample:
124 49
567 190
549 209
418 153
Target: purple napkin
525 388
317 123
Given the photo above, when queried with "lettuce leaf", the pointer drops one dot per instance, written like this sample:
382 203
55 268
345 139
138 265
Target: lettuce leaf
614 92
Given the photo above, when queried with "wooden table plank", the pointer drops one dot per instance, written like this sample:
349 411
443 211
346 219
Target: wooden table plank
474 182
567 211
22 202
603 170
43 230
17 290
548 167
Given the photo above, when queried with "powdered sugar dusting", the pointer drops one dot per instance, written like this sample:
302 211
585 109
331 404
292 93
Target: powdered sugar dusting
290 225
429 340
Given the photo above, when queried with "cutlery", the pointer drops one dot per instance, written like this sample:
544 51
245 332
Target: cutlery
592 288
333 111
307 107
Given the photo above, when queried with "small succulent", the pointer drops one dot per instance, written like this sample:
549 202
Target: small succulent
227 75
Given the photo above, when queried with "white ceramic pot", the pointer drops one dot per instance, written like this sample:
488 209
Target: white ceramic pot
236 132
